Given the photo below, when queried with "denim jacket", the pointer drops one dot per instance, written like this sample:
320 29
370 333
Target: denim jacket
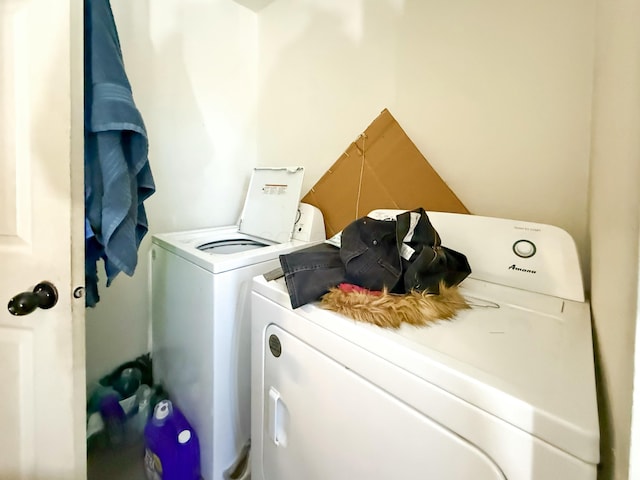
399 255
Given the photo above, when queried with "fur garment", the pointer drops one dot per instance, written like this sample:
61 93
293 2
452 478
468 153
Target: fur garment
389 310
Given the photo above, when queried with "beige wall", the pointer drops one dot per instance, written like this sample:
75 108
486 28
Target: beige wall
497 95
614 215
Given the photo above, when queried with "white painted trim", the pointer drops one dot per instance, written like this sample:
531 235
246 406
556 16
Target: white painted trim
634 447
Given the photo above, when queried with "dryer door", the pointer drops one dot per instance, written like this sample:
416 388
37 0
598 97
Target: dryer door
322 421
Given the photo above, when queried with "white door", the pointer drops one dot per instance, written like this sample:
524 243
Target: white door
42 399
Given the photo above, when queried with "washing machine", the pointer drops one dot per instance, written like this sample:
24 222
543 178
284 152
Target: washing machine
200 284
505 390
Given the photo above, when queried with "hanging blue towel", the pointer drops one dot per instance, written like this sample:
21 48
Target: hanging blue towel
118 177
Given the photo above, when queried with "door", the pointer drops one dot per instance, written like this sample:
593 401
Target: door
42 404
323 421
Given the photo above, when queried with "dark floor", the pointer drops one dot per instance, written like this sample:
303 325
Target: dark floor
122 463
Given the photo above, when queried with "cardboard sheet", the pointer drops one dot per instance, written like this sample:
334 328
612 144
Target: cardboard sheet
382 168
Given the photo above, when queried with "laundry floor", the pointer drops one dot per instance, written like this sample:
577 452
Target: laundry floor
124 463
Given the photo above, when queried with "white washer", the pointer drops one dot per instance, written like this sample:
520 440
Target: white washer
505 390
201 281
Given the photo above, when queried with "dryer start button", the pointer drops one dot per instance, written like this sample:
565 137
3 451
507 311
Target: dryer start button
524 248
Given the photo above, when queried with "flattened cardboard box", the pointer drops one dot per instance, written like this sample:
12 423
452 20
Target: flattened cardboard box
382 168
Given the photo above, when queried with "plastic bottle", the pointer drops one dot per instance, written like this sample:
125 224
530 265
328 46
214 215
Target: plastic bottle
114 419
128 382
172 449
139 416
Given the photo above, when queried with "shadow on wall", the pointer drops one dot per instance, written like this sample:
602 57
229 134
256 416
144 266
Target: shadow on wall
307 81
117 328
607 437
181 149
180 58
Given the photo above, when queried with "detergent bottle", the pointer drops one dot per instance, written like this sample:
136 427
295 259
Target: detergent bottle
172 449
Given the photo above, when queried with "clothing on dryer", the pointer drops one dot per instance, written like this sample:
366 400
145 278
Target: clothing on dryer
399 256
390 310
310 273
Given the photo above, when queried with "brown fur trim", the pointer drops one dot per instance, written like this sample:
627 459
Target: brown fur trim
390 310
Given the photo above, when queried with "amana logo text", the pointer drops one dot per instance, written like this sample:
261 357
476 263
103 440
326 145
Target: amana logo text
518 269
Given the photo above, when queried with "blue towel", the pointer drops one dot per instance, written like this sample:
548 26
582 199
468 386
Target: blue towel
118 177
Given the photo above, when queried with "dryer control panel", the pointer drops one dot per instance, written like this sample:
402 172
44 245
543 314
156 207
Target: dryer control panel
531 256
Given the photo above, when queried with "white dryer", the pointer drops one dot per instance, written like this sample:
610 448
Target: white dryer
505 390
200 288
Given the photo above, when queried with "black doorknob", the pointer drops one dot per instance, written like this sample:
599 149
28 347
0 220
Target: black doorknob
44 295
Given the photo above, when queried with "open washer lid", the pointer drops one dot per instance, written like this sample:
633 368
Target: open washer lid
271 203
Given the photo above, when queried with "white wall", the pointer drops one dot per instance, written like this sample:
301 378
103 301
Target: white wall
192 65
615 178
496 95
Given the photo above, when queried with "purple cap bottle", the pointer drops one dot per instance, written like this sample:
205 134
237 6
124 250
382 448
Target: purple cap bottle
172 449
